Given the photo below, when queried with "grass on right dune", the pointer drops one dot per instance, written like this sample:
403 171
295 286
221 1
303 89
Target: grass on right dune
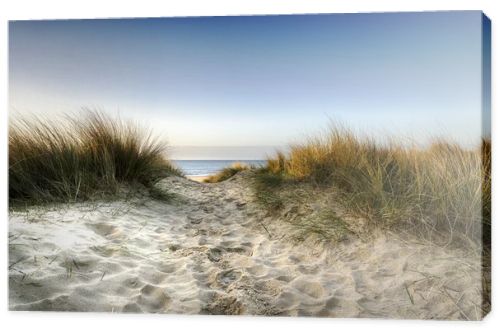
441 192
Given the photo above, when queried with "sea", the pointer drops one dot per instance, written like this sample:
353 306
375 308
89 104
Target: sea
210 167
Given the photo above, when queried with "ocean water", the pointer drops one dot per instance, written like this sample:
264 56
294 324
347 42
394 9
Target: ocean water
209 167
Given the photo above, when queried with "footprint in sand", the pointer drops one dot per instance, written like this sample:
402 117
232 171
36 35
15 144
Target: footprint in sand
195 220
214 254
187 260
103 229
132 308
312 289
227 277
153 298
223 305
208 209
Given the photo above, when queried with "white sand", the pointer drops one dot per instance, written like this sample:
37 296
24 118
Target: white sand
209 253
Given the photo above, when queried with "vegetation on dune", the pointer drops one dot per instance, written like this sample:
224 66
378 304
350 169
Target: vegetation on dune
441 191
266 184
486 191
227 173
77 158
486 236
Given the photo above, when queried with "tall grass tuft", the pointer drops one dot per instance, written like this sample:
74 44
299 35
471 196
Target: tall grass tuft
486 236
79 157
227 173
439 191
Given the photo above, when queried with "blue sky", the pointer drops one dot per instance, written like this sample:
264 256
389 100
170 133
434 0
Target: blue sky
258 80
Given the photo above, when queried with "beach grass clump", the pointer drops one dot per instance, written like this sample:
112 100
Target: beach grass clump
486 191
441 190
267 184
323 225
76 158
227 173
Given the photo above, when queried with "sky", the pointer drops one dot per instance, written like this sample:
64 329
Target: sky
259 82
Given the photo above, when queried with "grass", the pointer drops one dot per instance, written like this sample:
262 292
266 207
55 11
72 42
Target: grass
324 225
77 158
441 192
267 184
227 173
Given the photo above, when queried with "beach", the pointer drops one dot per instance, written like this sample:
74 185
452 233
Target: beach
212 250
197 178
334 165
201 170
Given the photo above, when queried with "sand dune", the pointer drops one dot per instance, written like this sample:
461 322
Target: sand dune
212 251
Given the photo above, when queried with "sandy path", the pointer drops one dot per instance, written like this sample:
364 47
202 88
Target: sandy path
210 253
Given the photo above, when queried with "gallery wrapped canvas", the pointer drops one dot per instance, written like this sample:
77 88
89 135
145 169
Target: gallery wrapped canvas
333 165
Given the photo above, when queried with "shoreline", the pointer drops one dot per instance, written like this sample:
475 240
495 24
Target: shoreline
198 178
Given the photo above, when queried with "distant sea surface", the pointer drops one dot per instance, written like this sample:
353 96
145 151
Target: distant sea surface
209 167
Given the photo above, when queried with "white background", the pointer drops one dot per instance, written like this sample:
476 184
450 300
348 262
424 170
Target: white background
38 322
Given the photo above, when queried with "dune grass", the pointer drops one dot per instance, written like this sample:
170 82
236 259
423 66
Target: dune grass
76 158
227 173
442 191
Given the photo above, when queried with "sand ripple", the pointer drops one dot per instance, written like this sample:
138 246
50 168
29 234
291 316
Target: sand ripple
210 254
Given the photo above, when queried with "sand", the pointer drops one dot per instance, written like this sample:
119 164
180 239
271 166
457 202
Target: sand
211 250
198 178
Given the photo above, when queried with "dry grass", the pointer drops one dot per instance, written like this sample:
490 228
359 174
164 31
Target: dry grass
77 158
441 192
227 173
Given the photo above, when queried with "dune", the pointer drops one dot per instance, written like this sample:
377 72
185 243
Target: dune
212 250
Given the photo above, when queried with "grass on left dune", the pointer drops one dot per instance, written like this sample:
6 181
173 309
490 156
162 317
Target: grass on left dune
77 158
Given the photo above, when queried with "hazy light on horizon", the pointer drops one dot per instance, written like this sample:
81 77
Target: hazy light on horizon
258 81
223 152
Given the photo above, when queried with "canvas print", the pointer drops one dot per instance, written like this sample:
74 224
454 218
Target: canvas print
332 165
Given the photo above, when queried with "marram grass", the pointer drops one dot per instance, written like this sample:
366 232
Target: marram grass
439 192
227 173
78 158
